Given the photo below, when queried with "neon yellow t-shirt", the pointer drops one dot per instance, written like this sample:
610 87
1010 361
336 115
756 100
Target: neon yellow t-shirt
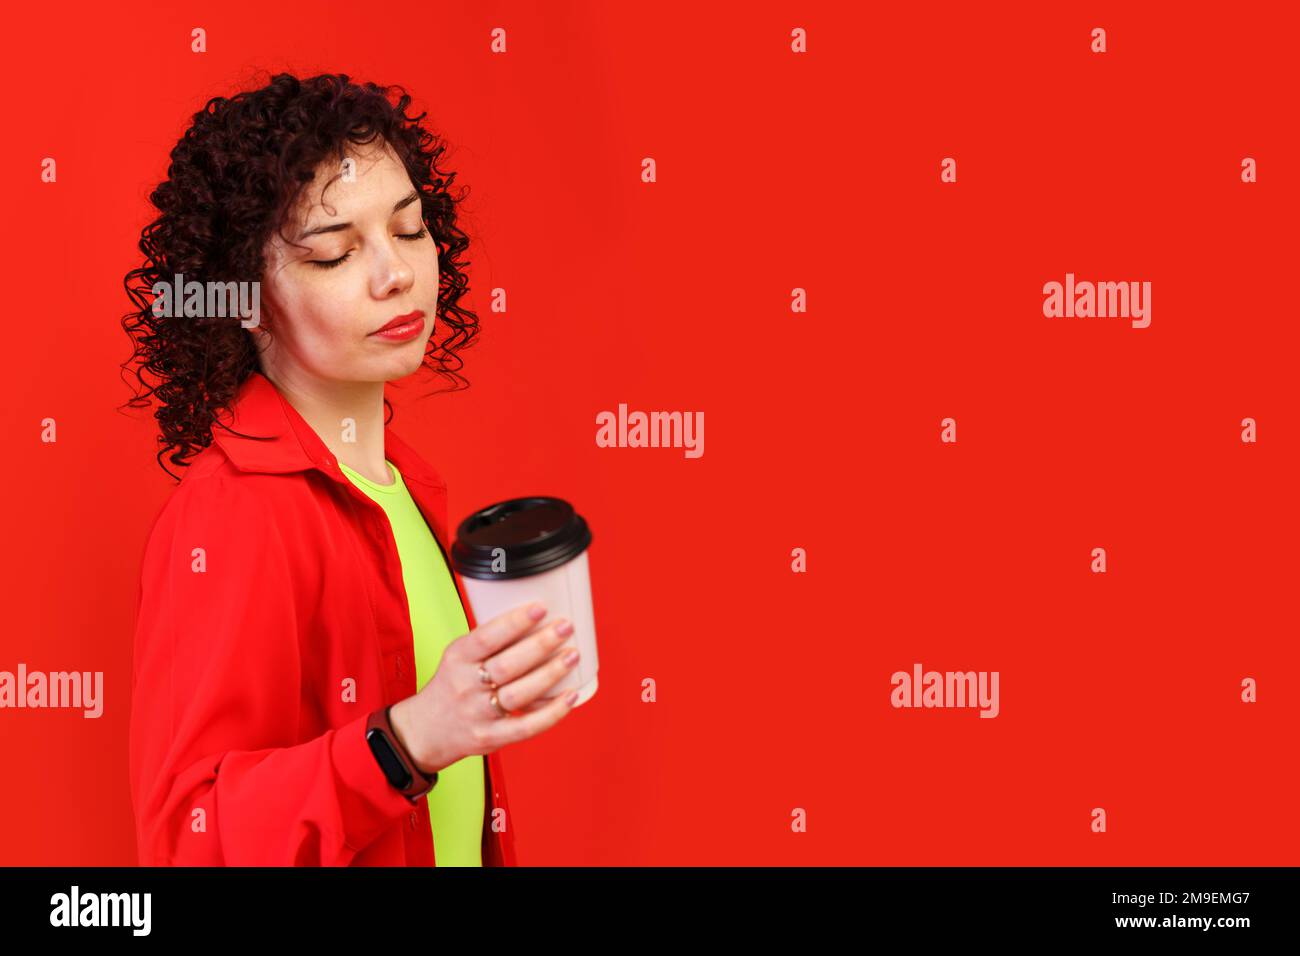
456 803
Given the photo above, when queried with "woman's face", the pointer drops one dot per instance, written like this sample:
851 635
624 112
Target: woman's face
359 257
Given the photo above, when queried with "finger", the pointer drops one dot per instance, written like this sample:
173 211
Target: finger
528 723
523 691
525 654
500 632
540 702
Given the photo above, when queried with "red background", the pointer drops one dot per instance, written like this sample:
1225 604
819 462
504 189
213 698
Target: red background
775 171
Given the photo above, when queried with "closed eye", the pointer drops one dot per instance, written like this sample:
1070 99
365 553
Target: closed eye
331 263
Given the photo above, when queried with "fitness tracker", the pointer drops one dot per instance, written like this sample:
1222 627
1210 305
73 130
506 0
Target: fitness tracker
393 760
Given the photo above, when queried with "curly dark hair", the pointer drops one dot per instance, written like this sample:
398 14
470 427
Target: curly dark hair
235 176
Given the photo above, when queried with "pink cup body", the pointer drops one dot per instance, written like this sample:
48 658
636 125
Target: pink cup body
566 592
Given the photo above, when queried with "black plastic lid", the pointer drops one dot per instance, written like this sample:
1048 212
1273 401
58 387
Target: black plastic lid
537 534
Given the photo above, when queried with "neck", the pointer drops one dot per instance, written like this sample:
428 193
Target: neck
348 417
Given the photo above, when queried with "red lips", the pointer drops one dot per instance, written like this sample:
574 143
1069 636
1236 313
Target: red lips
401 320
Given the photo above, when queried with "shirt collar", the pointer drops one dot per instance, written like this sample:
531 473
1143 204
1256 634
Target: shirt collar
261 432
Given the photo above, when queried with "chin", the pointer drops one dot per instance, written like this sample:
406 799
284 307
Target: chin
409 365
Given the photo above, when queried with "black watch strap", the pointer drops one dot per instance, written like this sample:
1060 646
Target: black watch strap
397 765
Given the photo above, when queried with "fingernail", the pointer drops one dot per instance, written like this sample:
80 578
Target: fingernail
571 657
536 610
572 698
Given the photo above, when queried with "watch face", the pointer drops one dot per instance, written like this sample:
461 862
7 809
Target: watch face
389 762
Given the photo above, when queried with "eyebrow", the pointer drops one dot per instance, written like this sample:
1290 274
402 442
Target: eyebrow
340 226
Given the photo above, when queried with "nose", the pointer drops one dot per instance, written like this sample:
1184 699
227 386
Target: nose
393 274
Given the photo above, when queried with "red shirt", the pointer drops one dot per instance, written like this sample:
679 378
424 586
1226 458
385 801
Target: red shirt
259 657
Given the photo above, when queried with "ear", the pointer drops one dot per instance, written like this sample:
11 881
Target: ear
261 331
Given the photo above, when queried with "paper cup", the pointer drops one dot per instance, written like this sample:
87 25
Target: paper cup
532 549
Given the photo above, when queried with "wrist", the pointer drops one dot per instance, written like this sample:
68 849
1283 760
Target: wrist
390 752
397 715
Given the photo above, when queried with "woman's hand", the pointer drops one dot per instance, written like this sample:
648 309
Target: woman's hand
453 716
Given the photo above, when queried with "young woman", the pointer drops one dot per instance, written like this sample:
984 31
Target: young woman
309 685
